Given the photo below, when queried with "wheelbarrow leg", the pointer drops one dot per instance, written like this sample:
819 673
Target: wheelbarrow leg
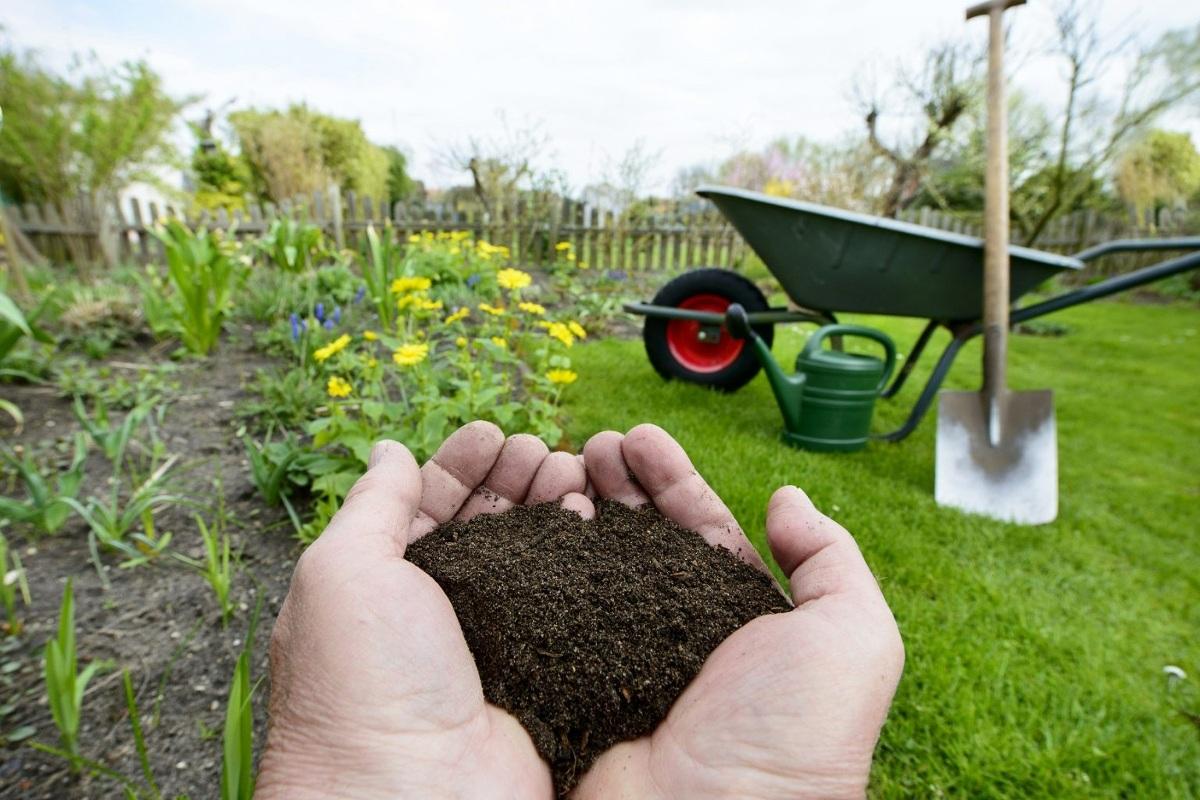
921 407
911 361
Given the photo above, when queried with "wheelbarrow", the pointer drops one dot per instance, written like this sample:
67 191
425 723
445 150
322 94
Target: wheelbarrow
829 261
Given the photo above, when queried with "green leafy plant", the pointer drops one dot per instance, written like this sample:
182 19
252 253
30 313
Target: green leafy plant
380 266
218 565
14 326
49 499
12 584
112 523
292 245
122 386
64 684
204 273
237 744
114 439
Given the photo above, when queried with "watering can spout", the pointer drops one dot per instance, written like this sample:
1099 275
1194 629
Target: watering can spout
788 389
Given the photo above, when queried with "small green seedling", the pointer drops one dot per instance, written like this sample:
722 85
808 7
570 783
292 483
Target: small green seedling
12 584
47 507
218 564
64 685
237 762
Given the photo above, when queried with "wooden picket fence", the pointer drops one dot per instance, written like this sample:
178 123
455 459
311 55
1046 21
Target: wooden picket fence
675 236
683 235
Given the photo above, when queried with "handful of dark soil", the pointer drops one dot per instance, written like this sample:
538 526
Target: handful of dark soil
587 631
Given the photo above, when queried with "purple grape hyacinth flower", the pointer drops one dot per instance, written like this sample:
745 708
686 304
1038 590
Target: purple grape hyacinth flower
319 312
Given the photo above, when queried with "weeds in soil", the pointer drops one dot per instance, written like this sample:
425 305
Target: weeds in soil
118 385
48 503
114 439
219 563
112 523
237 761
12 584
64 685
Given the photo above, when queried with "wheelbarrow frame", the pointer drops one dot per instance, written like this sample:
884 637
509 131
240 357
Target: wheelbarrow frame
963 330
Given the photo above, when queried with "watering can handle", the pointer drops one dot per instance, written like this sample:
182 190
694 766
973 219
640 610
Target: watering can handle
889 347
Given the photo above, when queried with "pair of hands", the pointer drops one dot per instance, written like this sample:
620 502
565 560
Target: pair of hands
374 693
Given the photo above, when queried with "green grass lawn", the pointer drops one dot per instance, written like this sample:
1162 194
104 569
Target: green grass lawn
1035 655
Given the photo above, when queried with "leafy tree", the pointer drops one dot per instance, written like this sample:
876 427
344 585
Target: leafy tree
92 133
1161 169
399 184
299 150
221 178
1092 130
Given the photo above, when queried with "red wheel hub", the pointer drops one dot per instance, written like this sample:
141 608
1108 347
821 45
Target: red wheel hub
693 352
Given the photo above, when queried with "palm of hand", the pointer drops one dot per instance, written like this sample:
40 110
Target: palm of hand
789 705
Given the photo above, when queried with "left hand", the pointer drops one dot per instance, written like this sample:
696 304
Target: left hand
374 693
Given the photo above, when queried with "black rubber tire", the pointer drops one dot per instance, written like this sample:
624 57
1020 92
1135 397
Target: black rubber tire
708 280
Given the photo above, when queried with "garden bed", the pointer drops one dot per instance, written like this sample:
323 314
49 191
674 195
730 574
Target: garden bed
159 621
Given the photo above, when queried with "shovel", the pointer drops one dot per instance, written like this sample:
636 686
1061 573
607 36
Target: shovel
997 450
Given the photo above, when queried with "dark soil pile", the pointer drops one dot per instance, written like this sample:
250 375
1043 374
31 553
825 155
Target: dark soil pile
587 631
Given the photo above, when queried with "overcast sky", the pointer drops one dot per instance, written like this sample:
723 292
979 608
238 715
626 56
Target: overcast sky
694 79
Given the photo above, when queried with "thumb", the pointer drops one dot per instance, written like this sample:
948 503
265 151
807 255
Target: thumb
379 507
818 555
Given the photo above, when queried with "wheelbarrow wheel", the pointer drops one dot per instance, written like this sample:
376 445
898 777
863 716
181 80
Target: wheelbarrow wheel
701 354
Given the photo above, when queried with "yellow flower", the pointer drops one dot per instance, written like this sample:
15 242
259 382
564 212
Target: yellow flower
499 342
563 376
338 387
461 341
334 347
582 265
425 304
495 311
461 314
513 279
570 256
577 329
408 355
532 308
562 246
561 332
410 284
370 336
413 238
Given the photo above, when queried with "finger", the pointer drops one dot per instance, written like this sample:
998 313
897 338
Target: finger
559 475
508 482
819 556
380 506
455 471
579 503
607 471
666 474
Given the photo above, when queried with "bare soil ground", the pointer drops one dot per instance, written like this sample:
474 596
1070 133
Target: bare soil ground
159 621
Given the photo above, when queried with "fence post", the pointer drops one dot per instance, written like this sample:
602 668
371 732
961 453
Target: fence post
335 213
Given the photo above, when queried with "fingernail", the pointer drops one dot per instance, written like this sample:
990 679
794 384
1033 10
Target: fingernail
377 453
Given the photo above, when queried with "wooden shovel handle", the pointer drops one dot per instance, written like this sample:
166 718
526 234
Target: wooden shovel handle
979 9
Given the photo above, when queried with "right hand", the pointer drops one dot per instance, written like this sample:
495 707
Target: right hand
790 705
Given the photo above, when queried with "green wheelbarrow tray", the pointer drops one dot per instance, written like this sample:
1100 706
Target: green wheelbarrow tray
818 253
830 261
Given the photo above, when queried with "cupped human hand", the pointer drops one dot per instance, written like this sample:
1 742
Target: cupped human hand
790 705
373 691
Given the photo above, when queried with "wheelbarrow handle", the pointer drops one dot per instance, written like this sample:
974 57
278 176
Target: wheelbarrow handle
981 9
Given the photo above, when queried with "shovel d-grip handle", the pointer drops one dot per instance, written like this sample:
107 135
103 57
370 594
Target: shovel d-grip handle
889 347
979 9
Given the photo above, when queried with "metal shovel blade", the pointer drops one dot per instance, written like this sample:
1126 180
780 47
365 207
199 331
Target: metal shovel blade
1013 480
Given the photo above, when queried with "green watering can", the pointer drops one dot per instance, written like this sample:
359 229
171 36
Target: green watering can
827 404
